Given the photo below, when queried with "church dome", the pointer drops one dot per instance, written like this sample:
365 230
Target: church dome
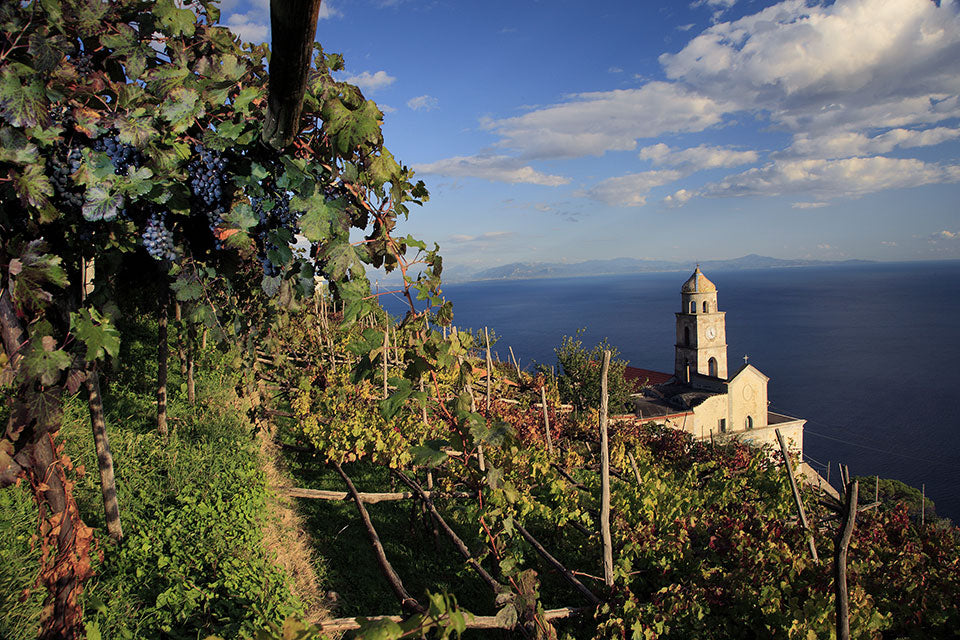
698 283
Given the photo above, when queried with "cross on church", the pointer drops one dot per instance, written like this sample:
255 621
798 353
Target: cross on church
745 358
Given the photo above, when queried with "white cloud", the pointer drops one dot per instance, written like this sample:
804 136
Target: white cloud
328 11
250 27
385 108
495 168
888 243
614 70
597 122
371 81
810 205
423 103
879 63
696 158
824 245
852 143
630 190
679 198
849 177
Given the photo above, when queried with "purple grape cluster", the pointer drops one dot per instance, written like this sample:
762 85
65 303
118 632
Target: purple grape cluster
158 240
122 155
208 179
275 217
62 166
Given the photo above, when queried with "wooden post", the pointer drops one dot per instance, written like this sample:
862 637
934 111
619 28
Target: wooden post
386 343
605 476
840 562
486 335
515 363
163 310
876 490
108 485
293 28
829 463
923 505
546 419
572 579
798 501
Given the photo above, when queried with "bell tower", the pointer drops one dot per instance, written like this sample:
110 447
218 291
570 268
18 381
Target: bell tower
701 331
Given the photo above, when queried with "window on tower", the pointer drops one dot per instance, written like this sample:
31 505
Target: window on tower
706 307
712 366
749 422
693 306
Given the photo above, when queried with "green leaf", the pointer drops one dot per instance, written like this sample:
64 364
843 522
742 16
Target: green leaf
382 629
34 187
241 104
138 131
22 99
241 217
30 273
425 456
177 21
339 257
96 332
352 127
181 108
317 212
43 360
100 204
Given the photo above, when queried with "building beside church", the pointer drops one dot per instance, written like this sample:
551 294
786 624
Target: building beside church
701 396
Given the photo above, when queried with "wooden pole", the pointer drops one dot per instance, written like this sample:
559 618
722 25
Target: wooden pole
486 335
406 600
293 27
923 504
515 363
108 485
876 490
386 343
829 463
546 419
163 310
840 563
605 475
472 622
797 500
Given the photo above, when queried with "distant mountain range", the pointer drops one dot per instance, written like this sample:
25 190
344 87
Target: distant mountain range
618 266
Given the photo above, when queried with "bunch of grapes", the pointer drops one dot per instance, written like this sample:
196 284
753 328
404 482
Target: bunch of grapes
122 155
83 64
208 184
158 240
64 163
272 218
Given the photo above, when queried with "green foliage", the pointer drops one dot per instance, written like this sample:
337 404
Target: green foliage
579 379
893 493
19 559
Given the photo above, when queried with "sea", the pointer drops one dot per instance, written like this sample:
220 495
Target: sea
868 354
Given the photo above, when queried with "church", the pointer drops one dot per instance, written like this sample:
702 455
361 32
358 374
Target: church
701 396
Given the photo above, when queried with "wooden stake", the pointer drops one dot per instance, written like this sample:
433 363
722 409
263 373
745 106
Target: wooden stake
515 364
923 504
840 562
546 419
876 490
406 600
797 500
386 342
486 335
108 485
605 475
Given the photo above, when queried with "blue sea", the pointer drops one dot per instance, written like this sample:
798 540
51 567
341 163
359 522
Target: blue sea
868 354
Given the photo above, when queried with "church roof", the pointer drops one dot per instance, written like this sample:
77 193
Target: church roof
698 283
646 376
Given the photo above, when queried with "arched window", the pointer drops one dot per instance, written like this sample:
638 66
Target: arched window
712 367
749 422
693 306
706 307
686 336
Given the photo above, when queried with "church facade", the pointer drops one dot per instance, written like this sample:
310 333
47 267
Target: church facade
701 396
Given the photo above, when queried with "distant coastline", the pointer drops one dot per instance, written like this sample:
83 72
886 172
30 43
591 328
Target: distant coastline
626 266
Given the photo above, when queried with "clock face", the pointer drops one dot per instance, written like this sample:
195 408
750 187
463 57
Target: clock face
711 333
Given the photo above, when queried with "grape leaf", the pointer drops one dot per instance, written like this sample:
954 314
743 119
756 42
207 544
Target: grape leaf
42 360
100 204
96 332
22 99
34 187
181 108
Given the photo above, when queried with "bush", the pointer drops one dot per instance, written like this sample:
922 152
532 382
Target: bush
579 380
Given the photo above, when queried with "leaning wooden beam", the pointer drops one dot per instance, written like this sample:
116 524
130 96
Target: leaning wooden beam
797 500
407 601
572 579
368 498
566 475
473 622
457 542
293 27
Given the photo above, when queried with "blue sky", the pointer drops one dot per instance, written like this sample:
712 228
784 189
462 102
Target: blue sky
563 131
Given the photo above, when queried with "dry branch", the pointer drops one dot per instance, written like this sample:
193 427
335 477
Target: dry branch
797 500
407 601
572 579
368 498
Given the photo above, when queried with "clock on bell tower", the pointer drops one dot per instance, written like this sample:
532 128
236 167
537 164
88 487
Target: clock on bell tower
701 334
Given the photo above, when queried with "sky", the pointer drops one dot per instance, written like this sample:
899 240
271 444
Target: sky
561 131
